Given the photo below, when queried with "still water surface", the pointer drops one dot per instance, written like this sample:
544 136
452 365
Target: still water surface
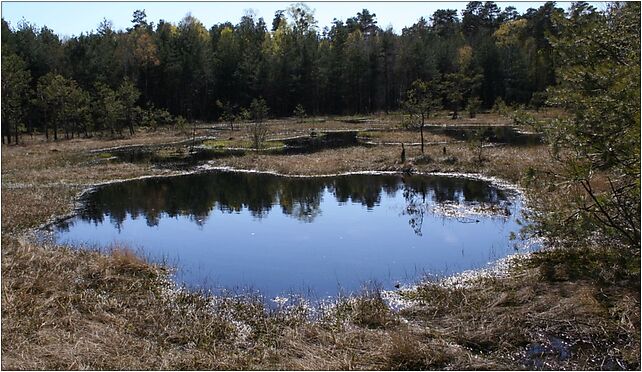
313 236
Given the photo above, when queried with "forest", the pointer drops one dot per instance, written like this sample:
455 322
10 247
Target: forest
509 138
112 80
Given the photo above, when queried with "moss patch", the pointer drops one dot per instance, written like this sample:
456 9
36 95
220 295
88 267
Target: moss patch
239 144
105 155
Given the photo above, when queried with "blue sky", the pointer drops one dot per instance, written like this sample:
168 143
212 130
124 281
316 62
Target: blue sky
72 18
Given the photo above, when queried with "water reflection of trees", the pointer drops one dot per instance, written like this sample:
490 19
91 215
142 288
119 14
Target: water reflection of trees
196 196
424 195
498 134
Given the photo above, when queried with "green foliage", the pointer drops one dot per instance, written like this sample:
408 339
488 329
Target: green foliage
148 119
15 94
227 114
538 100
600 140
180 124
473 106
243 115
64 104
423 97
258 110
77 109
153 117
108 110
299 113
476 139
421 100
521 118
499 107
456 88
354 68
128 95
410 121
258 129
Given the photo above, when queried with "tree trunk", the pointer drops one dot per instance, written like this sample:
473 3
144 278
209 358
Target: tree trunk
131 126
421 130
5 133
46 127
146 78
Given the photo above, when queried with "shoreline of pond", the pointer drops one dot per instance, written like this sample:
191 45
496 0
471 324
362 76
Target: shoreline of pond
499 267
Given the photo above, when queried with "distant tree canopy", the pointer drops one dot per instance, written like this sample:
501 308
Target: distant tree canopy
350 67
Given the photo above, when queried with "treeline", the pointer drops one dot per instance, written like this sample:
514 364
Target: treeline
108 80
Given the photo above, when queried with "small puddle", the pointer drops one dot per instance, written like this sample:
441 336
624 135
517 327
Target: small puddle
317 236
551 347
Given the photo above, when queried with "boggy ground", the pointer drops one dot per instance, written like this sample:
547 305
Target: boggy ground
66 309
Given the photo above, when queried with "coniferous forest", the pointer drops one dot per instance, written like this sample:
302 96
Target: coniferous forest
109 79
460 194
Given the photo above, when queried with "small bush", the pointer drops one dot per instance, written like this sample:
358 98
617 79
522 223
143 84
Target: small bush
180 124
299 113
423 159
243 115
500 107
538 100
410 122
473 106
450 160
258 133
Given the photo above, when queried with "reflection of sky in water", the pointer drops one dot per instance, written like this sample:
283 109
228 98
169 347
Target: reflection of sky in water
323 246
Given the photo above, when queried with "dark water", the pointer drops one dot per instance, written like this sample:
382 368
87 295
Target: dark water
186 155
494 134
312 236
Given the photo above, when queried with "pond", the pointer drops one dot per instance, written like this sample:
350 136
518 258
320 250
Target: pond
188 154
311 236
495 134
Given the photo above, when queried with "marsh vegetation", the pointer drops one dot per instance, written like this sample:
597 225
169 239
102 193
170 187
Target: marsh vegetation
564 128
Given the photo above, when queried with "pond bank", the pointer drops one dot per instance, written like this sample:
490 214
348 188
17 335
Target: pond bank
117 312
337 254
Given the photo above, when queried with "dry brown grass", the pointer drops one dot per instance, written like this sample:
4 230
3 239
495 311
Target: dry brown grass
497 317
66 309
507 162
69 309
